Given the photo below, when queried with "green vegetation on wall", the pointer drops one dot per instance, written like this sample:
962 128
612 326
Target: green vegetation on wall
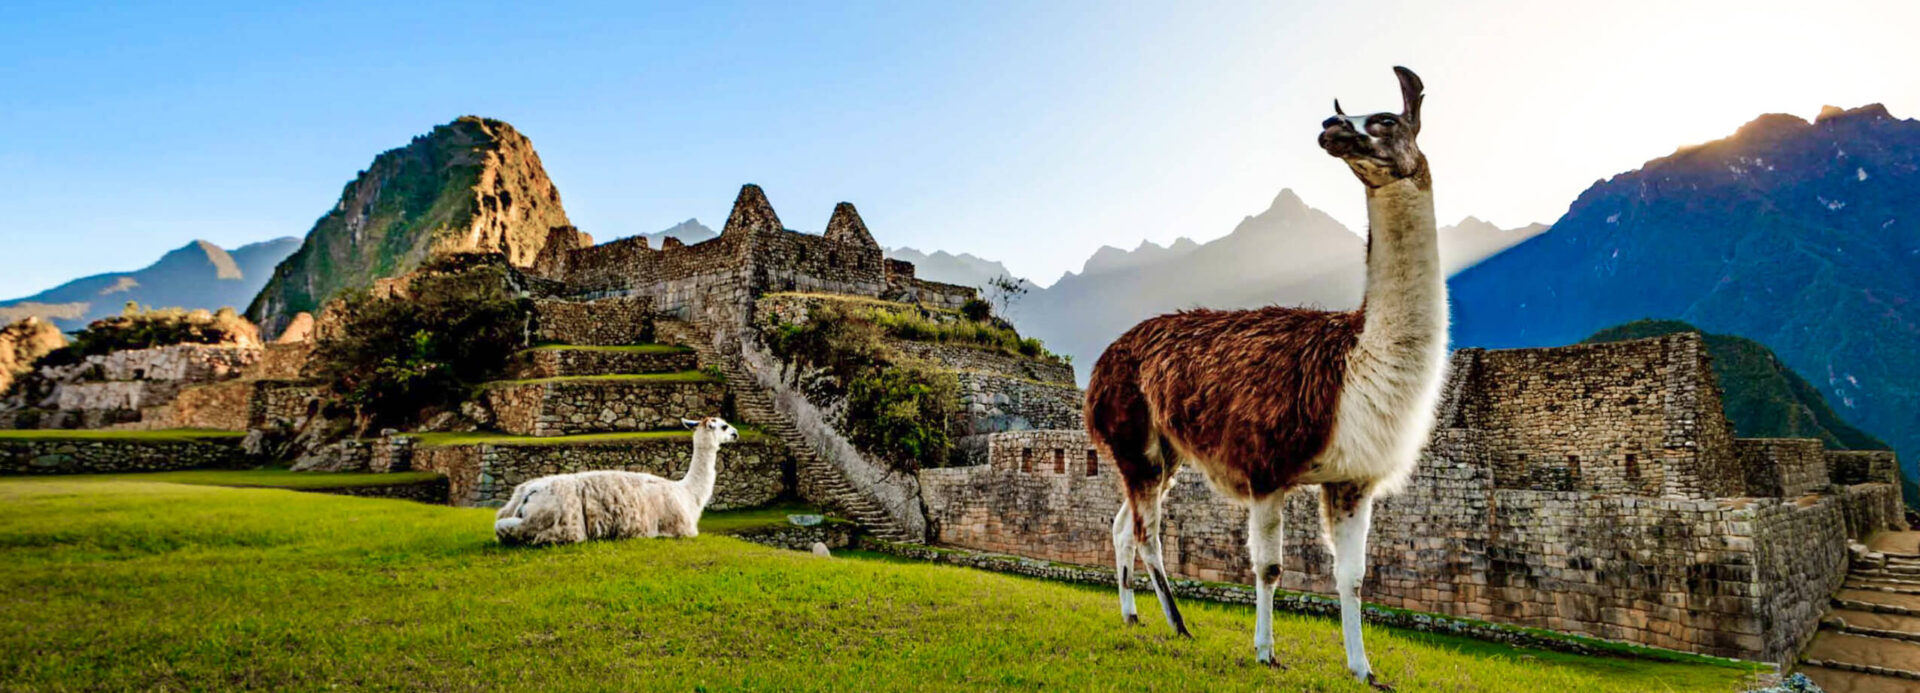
897 407
393 361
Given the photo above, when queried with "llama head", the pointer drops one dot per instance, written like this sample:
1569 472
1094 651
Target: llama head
1380 148
711 430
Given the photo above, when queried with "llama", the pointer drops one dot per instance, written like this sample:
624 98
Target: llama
571 508
1270 399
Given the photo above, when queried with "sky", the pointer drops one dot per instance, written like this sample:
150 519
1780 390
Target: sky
1027 132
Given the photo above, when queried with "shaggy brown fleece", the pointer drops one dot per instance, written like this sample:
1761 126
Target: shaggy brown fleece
1254 387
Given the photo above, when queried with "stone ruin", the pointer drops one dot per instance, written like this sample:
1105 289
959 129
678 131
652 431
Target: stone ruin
1592 489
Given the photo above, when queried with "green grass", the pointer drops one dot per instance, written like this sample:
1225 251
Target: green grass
627 349
674 377
165 435
120 584
729 521
434 440
266 477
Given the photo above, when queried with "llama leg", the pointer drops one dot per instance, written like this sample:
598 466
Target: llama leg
1265 518
1123 562
1347 510
1150 551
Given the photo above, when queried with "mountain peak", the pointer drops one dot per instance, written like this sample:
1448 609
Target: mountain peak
1287 201
1872 111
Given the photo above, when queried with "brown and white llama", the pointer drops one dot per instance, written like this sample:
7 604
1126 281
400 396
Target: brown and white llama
1270 399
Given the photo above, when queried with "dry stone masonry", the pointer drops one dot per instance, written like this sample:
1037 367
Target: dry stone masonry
750 473
1594 490
81 455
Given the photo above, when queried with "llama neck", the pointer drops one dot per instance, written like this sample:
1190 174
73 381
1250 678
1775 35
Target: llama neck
699 478
1406 298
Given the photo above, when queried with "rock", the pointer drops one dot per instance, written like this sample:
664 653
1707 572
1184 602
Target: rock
820 549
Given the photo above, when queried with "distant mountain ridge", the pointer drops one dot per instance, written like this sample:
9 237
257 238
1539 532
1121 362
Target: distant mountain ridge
197 275
1288 254
1800 235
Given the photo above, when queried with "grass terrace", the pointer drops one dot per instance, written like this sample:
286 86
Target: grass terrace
674 377
437 440
625 349
120 583
196 435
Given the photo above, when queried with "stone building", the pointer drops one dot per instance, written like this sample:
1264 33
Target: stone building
1593 489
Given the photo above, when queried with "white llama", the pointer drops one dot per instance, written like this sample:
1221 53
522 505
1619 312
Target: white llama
569 508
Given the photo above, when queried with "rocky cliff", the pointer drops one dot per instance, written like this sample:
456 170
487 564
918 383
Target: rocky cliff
21 343
472 185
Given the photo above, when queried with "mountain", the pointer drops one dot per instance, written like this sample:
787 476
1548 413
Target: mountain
198 275
1802 236
1289 254
964 269
472 185
689 232
1763 397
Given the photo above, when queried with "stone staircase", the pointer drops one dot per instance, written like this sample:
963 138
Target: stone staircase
1870 641
811 470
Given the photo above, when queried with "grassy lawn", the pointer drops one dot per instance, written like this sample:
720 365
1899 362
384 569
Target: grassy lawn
674 377
114 584
165 435
267 477
627 349
432 440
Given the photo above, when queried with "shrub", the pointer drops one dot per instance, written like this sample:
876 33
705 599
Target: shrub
902 413
976 310
392 359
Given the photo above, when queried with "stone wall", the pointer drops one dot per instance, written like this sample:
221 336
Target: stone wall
1849 467
221 406
1718 576
196 363
103 456
612 321
1782 467
992 403
568 406
282 362
555 363
749 473
1640 417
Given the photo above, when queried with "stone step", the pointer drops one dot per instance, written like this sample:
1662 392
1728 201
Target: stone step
602 404
1882 585
1865 654
562 360
1843 681
1881 625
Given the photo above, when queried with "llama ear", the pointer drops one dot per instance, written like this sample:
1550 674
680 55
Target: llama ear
1412 92
689 423
1336 108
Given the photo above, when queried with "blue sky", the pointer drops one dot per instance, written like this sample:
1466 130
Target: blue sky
1027 132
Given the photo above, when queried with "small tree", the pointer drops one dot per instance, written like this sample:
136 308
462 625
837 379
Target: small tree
1005 290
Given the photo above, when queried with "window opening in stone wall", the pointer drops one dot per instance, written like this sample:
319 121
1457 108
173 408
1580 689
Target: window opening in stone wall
1059 460
1633 467
1093 463
1026 460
